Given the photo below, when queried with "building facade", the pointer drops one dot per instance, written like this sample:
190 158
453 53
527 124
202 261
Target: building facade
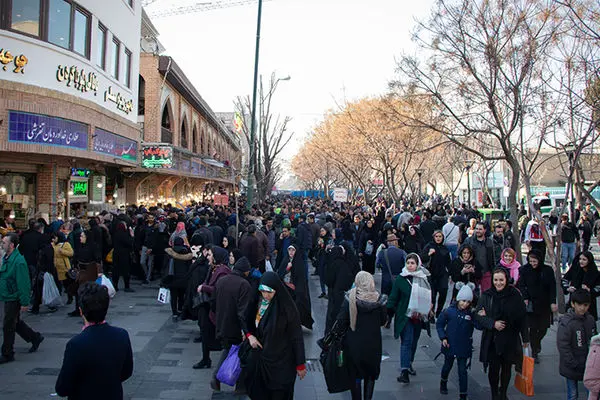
68 104
187 151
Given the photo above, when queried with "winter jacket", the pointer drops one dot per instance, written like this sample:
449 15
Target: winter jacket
150 236
508 306
591 377
304 237
457 266
206 235
439 263
457 327
250 247
62 253
15 284
538 286
29 245
182 260
573 340
483 251
577 276
396 258
232 294
398 303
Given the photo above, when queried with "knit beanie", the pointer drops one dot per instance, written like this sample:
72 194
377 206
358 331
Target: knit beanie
465 293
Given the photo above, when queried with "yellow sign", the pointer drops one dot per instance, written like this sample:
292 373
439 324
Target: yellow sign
124 105
78 78
20 61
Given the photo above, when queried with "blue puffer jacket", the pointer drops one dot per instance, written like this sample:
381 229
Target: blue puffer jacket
457 326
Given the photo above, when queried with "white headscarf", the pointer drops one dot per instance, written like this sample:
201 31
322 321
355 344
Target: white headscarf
363 290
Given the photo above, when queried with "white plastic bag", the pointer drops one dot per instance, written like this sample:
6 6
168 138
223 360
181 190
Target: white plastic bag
50 293
420 300
268 266
104 281
164 295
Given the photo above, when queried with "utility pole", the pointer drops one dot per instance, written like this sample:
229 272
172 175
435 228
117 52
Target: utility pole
250 197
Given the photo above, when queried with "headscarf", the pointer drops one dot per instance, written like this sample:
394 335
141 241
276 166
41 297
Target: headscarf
179 233
514 266
338 237
363 290
220 255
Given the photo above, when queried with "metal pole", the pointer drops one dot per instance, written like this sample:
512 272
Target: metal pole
469 185
250 198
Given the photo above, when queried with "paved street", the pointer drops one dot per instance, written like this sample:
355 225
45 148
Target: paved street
164 354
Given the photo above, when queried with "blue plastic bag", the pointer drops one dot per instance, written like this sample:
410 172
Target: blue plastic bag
230 369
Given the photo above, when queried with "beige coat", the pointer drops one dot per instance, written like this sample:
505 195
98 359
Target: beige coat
62 254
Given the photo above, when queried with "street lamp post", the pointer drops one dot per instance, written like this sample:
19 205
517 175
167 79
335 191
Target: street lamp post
570 149
250 198
468 166
419 173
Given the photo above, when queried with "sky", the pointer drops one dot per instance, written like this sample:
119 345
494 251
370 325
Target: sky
333 50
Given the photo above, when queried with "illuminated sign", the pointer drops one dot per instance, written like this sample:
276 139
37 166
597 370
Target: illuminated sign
46 130
80 172
157 157
118 146
79 188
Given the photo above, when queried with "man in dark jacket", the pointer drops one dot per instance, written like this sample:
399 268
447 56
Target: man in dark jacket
391 261
216 230
483 251
427 226
30 244
150 238
249 246
205 233
575 330
232 294
100 358
304 240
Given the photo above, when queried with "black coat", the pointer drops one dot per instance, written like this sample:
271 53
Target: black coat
232 294
538 285
182 260
280 333
123 246
195 277
300 293
507 306
439 263
577 277
29 245
457 266
573 341
95 363
364 345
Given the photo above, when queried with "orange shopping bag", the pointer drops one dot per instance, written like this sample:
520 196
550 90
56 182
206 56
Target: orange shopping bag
524 379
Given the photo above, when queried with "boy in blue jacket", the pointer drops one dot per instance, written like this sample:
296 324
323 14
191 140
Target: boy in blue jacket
455 327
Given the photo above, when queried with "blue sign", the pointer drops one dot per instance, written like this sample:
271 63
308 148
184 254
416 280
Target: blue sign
118 146
43 129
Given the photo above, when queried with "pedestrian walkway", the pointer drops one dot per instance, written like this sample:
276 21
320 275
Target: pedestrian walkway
164 353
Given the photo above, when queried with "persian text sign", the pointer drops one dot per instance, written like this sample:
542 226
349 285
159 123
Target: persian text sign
43 129
118 146
157 157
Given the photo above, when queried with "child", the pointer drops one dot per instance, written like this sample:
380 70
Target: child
455 328
575 331
591 378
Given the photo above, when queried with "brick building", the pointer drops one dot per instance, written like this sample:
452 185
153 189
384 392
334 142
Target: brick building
68 102
187 151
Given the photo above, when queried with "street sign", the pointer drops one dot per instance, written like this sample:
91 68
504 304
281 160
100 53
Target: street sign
340 194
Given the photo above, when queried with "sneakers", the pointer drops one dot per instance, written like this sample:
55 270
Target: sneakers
6 359
35 344
403 378
444 386
411 371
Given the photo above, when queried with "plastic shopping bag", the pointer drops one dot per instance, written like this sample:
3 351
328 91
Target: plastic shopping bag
524 379
104 281
268 266
50 294
420 300
164 295
230 370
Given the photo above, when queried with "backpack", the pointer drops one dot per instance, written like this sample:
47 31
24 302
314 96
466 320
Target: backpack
536 232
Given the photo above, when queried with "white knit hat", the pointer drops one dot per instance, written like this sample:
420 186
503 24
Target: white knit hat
465 293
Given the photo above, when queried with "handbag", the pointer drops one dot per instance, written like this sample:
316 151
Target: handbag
339 375
200 299
164 295
50 294
369 248
230 370
73 273
109 256
524 379
104 281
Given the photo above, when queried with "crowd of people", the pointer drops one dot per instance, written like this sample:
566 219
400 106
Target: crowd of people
245 280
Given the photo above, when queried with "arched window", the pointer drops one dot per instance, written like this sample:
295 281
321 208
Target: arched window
166 134
184 138
195 140
202 141
142 96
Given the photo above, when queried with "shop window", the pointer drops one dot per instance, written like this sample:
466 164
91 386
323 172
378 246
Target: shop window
101 33
81 34
166 135
59 23
127 68
115 49
25 17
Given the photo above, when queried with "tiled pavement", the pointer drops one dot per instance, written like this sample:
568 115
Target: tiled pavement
164 353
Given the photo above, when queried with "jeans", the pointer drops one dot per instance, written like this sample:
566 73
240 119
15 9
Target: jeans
462 371
147 262
409 339
567 254
453 249
573 389
13 324
305 260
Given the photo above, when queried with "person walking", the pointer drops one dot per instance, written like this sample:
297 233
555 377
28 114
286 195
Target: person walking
123 247
62 261
437 257
339 275
367 244
408 322
180 260
483 251
584 274
391 260
364 313
45 264
537 285
466 269
149 241
294 276
451 233
87 260
15 289
569 236
99 359
271 371
502 315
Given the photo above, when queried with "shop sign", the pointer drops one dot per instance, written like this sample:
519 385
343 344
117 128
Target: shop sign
157 157
122 104
80 172
221 200
118 146
20 61
77 78
79 188
46 130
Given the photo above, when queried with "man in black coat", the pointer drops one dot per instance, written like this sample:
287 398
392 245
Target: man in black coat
232 294
205 233
100 358
249 246
30 242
